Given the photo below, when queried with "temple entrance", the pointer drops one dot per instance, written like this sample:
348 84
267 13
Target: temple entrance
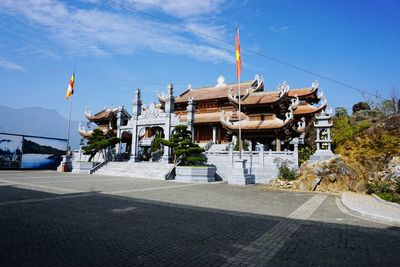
148 150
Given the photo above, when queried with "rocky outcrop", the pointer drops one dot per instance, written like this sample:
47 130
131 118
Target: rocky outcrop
371 156
333 175
372 116
361 106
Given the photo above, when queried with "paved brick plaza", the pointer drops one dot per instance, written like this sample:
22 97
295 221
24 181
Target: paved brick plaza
53 219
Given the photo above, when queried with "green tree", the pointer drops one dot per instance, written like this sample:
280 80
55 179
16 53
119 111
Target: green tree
184 151
98 142
341 112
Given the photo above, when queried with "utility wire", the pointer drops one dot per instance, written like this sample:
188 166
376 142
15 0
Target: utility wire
257 53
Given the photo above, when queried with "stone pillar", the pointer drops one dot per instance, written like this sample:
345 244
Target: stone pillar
296 151
278 144
169 109
214 134
231 155
190 117
136 112
262 155
119 133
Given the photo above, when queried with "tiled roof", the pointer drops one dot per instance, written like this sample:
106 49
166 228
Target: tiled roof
102 115
212 92
258 98
307 109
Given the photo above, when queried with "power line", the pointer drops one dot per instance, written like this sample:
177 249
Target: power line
258 53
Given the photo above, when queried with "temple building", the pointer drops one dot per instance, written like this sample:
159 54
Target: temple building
271 118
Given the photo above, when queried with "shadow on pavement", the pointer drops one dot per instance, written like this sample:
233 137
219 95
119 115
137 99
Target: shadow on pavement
110 230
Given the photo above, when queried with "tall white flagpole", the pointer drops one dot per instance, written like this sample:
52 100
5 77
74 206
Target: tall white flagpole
69 117
240 98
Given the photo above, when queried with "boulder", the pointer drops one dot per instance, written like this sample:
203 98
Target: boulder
370 115
333 175
361 106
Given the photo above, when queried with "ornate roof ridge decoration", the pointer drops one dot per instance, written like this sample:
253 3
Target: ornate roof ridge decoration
106 113
162 97
220 81
83 132
218 91
235 98
300 126
247 124
314 86
283 89
294 102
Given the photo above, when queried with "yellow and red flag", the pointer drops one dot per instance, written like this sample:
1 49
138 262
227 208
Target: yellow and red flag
70 90
238 59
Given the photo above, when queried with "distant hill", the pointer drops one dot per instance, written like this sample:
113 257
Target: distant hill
37 121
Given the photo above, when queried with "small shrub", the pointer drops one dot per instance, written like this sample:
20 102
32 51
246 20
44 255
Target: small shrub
383 187
305 153
390 196
378 187
285 171
371 188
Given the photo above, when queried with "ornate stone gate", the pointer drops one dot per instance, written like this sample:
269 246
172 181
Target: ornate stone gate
152 116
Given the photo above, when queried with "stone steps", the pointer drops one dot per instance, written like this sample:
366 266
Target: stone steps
153 170
218 147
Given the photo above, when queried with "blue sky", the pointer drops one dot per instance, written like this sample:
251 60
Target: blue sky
118 46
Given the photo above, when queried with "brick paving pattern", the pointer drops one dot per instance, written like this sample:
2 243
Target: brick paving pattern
140 222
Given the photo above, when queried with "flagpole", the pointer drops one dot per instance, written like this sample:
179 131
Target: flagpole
69 119
69 123
240 121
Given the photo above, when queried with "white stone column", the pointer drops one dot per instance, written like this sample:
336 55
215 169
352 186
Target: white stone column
278 144
296 151
214 134
136 112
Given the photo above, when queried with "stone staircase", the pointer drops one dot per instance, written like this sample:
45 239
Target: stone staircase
150 170
218 147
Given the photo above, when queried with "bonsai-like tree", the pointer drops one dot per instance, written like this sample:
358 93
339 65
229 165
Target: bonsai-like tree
98 142
184 151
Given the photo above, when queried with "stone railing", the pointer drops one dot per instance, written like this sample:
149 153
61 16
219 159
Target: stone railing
208 145
263 164
98 166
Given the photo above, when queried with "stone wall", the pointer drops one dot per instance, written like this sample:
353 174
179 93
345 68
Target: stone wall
264 165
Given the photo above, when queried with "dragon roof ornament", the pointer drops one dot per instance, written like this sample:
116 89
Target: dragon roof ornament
259 79
288 116
320 94
294 102
301 125
88 113
314 86
283 89
235 98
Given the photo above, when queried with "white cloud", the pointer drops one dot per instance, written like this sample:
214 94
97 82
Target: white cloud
177 8
99 32
10 65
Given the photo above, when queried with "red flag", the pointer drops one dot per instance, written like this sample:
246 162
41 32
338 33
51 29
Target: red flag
238 59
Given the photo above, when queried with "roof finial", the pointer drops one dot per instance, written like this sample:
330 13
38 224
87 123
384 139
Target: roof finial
220 81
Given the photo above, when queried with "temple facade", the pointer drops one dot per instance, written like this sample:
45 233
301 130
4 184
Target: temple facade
270 119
